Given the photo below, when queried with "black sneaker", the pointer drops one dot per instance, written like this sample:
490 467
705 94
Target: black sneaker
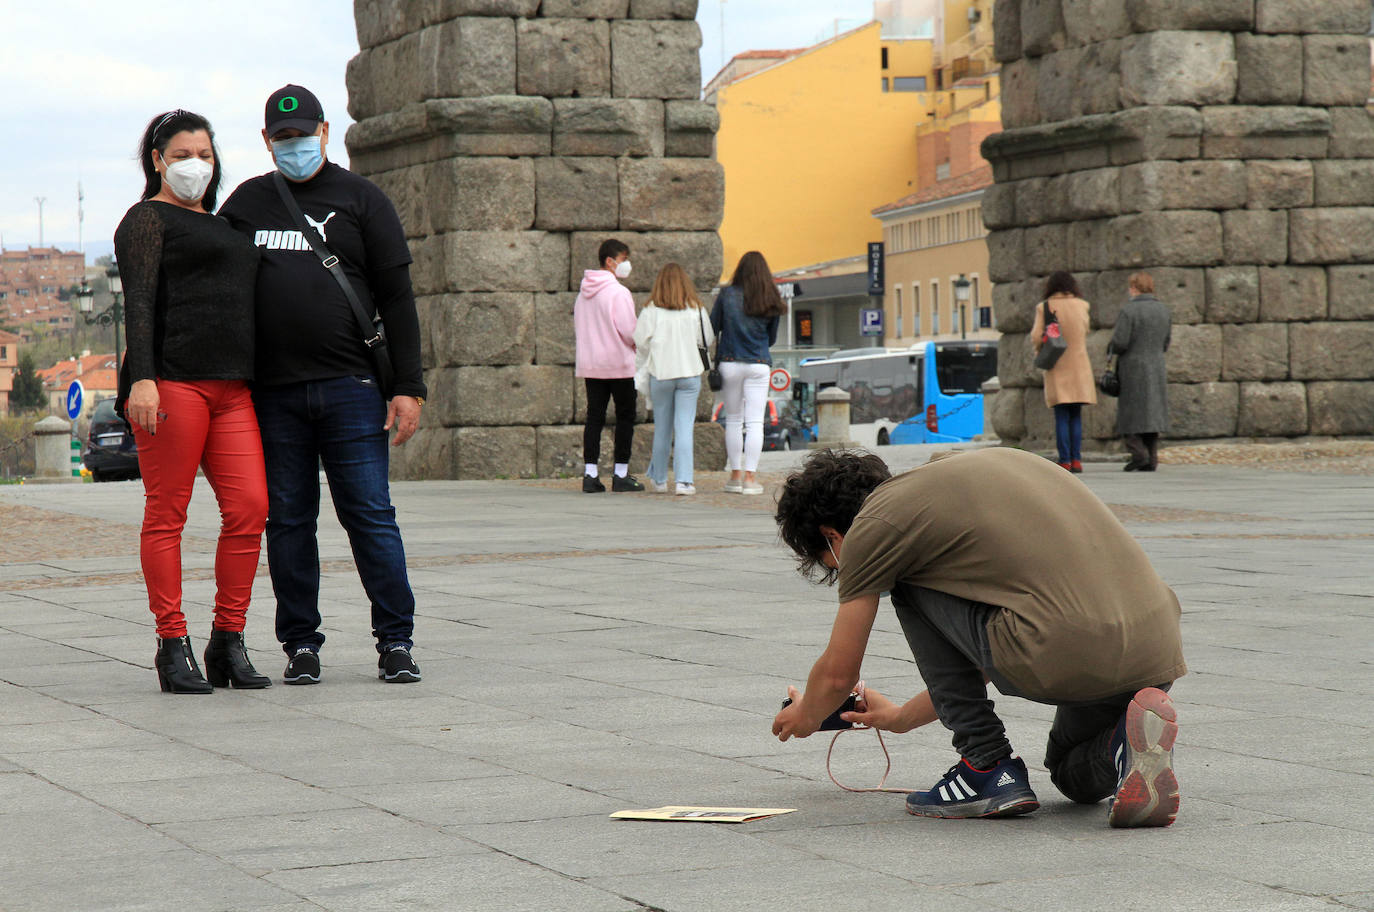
304 667
628 483
1003 791
592 485
396 666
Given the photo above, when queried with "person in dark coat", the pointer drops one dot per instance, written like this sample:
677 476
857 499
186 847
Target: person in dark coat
1140 340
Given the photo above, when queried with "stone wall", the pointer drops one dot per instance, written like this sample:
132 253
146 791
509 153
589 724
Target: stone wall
1225 147
514 136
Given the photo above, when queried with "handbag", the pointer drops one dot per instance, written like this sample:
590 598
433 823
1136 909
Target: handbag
702 349
1052 344
373 333
1110 382
713 378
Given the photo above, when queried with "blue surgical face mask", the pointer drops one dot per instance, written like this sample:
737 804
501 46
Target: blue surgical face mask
299 158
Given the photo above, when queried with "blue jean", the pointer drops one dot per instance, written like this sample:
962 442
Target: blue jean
675 414
1068 431
337 423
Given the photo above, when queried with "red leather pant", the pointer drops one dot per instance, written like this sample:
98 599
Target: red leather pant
211 425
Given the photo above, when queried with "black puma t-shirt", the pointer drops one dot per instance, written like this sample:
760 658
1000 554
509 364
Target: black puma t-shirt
306 329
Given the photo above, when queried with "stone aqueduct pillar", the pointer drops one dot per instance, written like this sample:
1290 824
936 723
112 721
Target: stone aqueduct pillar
1226 147
514 136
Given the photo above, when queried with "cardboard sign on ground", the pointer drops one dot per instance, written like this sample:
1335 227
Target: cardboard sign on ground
702 814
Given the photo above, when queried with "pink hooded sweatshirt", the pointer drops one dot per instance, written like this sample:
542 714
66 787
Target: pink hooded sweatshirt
604 321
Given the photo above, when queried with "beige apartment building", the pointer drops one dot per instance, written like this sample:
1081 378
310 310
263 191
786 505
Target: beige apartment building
931 239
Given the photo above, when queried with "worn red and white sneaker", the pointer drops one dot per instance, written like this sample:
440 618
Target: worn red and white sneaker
1143 751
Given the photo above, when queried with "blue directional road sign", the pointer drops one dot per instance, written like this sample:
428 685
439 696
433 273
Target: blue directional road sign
871 322
76 394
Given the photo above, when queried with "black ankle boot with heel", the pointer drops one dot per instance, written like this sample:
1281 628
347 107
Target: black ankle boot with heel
177 671
227 664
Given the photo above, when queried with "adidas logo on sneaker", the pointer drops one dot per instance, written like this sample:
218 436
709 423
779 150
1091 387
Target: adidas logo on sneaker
1005 780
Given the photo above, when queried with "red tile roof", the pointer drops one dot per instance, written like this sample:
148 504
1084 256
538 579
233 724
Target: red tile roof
977 179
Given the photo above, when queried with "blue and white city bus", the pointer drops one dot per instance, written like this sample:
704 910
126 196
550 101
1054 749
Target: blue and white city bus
929 393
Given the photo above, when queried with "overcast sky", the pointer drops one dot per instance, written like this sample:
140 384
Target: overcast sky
83 77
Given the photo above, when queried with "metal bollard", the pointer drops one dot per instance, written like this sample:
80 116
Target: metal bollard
52 450
832 416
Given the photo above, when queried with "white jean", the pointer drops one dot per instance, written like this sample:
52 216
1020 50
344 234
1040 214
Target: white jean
744 392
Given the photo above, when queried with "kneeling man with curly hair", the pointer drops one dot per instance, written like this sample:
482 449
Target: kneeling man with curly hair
1002 568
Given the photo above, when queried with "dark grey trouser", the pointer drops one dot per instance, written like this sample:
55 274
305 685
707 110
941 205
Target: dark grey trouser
948 637
1144 449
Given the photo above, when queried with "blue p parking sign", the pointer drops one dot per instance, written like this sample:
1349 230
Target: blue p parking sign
76 394
871 322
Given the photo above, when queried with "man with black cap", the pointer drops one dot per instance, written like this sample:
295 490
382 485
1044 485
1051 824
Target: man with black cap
318 388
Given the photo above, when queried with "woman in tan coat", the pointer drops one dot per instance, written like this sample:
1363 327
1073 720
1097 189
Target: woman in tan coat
1069 384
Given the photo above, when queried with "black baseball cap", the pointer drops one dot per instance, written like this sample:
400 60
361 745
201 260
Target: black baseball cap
293 107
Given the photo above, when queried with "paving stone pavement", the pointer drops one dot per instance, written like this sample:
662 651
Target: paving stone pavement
583 655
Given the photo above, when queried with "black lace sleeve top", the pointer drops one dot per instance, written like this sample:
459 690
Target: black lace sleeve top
188 296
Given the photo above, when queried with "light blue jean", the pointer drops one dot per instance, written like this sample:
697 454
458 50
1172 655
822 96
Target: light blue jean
675 414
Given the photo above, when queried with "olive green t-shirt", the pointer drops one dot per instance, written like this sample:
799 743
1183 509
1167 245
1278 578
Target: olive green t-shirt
1084 614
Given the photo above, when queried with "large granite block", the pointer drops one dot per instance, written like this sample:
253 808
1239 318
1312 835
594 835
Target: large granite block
496 452
1278 184
585 9
1092 194
1254 351
1272 410
1176 238
1013 305
1016 362
1344 235
1006 39
1350 292
530 394
1006 255
505 261
1178 67
1331 351
1255 235
431 453
1195 353
1088 22
1345 182
576 193
1182 185
494 328
1212 15
1301 16
689 129
1269 69
480 194
663 9
1292 293
1048 249
1335 69
554 339
1042 27
608 126
1265 131
655 58
1203 409
1352 133
1233 294
1340 408
1020 93
380 21
999 207
671 194
563 57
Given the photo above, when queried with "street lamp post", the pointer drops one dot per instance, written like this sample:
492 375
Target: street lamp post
112 315
961 295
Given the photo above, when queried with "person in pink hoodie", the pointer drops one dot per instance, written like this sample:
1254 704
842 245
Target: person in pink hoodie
604 322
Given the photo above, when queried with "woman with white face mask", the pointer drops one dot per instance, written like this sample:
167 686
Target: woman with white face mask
188 301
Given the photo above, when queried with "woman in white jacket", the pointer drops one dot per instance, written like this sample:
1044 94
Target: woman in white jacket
671 329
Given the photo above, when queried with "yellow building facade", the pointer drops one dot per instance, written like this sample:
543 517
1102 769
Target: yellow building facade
811 145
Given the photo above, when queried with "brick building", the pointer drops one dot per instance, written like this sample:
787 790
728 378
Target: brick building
9 364
31 281
98 374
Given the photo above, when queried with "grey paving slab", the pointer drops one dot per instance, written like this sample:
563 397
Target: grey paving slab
583 655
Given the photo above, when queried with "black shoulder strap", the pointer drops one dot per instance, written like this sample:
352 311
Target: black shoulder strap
371 337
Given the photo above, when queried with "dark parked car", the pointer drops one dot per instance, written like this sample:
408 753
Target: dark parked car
111 452
782 429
